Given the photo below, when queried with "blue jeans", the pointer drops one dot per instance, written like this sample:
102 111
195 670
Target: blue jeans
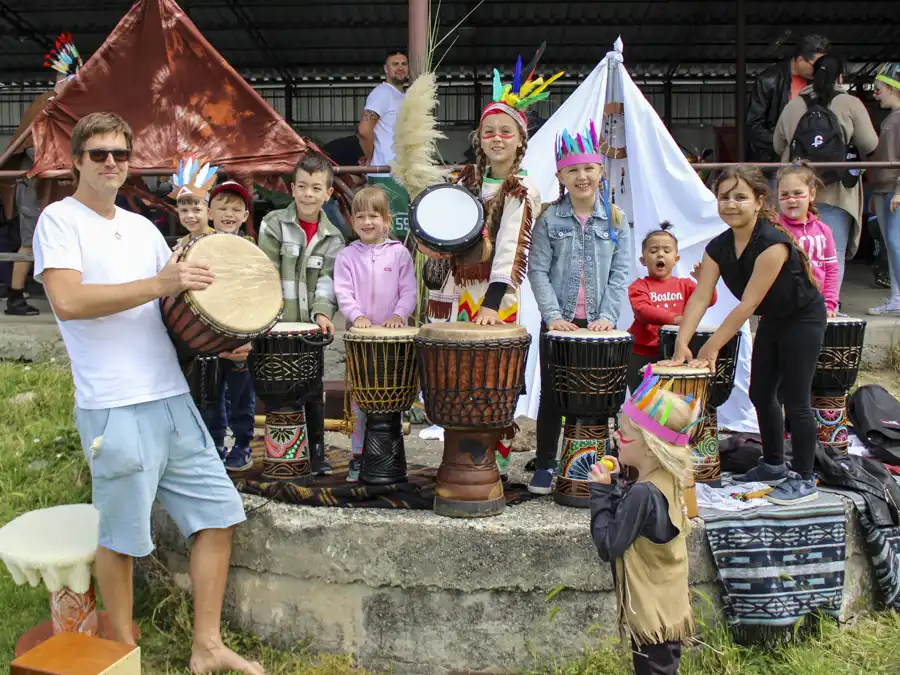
840 223
235 407
890 233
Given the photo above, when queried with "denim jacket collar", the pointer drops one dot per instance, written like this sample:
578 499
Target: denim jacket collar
564 207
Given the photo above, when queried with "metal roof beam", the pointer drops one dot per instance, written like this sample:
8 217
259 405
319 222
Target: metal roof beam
25 29
250 28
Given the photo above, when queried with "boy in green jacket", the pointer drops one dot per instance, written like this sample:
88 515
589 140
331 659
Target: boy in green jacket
303 244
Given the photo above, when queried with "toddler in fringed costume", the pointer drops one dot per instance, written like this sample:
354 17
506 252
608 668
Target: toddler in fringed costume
643 532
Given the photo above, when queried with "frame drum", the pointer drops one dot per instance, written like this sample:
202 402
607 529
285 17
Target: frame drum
447 218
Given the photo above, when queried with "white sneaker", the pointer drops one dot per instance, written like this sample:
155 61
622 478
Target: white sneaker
892 306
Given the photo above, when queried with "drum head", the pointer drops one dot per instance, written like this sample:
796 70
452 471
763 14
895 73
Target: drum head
677 371
446 218
245 297
461 331
585 334
295 327
384 333
845 320
702 329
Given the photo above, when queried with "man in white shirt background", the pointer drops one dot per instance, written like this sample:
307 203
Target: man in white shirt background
104 270
376 135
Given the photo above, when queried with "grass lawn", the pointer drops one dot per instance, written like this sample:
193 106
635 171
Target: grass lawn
41 464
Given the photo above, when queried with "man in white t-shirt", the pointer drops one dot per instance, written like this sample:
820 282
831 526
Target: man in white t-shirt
104 270
376 135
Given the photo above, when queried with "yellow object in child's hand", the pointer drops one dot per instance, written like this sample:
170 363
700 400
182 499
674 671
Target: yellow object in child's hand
608 463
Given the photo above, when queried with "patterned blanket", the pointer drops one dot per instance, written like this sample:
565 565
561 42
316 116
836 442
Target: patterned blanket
779 564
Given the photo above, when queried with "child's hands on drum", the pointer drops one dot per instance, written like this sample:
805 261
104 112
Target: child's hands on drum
706 358
239 354
832 314
600 325
325 324
562 324
176 277
361 322
487 317
681 356
396 321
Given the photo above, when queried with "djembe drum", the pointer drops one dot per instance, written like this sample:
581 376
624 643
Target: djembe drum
836 372
586 373
696 382
384 380
472 377
286 364
243 302
203 375
708 467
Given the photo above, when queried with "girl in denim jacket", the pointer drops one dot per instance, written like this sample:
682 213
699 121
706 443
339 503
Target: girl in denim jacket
578 269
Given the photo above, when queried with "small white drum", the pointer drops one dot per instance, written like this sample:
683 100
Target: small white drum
447 218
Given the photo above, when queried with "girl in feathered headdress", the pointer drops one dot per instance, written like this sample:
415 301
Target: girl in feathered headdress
644 532
579 277
482 284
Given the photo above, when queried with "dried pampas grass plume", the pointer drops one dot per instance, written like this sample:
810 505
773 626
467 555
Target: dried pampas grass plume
415 138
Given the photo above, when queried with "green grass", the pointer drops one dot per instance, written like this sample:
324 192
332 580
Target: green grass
41 464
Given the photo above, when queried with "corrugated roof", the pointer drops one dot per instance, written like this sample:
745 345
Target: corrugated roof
347 39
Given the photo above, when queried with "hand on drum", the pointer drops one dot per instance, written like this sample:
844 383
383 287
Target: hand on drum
562 324
706 358
176 277
487 317
681 356
239 354
325 324
601 474
361 322
396 321
600 325
832 314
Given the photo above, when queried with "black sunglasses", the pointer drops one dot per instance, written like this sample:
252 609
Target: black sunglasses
99 155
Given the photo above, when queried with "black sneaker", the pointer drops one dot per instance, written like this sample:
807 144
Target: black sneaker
19 307
764 473
794 490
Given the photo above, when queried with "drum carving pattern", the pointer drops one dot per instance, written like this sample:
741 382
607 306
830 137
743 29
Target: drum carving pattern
582 445
73 612
287 446
831 421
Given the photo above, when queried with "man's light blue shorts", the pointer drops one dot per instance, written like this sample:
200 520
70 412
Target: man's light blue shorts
156 450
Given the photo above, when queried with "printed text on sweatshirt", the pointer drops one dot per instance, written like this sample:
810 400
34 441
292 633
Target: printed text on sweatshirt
655 303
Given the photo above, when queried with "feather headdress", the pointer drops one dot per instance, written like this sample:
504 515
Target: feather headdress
192 179
889 73
514 98
651 413
64 57
580 149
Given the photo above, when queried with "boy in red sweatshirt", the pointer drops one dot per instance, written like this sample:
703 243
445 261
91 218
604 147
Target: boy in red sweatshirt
656 300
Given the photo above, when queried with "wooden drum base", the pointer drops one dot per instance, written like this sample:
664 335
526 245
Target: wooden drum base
584 441
707 464
468 481
44 631
287 447
831 421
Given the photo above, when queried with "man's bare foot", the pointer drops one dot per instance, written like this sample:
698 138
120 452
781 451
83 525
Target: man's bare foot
220 659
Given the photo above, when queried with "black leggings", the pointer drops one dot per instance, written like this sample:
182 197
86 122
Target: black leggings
785 352
659 659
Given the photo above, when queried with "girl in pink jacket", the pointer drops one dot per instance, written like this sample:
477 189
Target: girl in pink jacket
375 284
797 214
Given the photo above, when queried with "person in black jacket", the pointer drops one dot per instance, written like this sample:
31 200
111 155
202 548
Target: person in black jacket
774 88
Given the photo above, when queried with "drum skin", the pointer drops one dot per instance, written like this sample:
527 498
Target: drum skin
447 218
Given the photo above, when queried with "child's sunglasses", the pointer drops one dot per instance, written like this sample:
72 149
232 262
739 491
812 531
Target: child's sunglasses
99 154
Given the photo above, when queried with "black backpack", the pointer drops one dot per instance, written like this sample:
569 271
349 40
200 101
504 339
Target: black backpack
819 138
875 415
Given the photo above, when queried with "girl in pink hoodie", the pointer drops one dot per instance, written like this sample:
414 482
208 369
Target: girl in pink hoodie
797 214
375 284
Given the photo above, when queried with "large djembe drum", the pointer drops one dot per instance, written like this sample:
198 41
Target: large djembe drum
472 377
586 373
384 381
836 372
696 382
708 467
203 374
286 364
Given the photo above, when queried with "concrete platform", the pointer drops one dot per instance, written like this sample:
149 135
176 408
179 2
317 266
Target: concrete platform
425 595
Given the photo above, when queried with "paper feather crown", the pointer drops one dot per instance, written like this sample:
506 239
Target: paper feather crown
889 73
64 57
583 148
514 98
192 179
651 412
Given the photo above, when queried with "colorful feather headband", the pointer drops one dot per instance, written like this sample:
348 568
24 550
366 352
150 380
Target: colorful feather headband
513 99
64 57
652 413
889 73
582 149
193 180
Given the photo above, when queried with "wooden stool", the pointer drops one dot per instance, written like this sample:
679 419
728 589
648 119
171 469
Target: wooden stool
77 654
57 545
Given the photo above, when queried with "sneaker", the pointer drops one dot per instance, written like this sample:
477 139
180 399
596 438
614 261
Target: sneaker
541 482
794 490
764 473
353 470
890 307
239 458
19 307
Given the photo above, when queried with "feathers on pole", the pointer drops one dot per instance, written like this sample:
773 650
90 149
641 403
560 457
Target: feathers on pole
64 57
532 66
416 136
517 77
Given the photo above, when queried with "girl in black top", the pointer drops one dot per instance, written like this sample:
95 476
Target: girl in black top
762 266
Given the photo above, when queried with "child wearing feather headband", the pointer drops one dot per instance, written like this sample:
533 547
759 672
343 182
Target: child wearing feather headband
190 190
482 284
578 269
643 532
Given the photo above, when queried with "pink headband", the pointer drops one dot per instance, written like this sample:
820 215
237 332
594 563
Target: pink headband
569 160
647 423
499 107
